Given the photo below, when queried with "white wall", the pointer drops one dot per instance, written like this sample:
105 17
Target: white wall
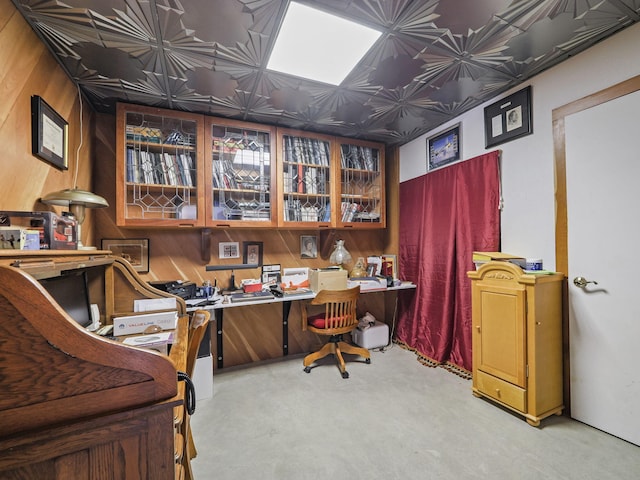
528 217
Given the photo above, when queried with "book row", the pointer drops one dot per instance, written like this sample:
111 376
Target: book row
160 168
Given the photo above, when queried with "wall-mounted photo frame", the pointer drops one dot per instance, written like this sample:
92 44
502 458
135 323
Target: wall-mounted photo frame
134 250
508 119
252 253
308 246
228 250
49 134
444 148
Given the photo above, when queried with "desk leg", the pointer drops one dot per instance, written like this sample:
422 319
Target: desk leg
219 336
286 308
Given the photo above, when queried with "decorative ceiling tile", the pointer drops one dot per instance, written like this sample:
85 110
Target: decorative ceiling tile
435 59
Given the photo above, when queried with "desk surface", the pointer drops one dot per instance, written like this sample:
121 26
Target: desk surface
290 298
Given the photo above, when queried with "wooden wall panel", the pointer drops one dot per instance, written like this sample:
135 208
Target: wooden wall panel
29 69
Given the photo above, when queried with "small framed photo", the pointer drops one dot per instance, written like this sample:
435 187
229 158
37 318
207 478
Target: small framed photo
443 148
49 134
508 119
228 250
134 250
252 253
308 246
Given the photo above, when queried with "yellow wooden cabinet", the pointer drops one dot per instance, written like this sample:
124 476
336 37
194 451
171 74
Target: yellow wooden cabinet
517 339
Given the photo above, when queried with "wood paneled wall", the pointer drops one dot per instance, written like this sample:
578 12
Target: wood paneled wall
27 68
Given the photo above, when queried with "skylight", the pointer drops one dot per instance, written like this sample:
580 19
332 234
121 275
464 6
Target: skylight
318 46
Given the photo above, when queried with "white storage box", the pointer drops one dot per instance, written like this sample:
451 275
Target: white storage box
377 335
139 323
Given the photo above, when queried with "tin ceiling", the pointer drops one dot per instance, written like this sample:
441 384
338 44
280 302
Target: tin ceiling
435 60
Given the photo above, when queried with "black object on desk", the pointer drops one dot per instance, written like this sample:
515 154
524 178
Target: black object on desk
246 297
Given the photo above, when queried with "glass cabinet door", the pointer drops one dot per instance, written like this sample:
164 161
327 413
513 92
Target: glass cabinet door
305 176
158 161
240 172
362 203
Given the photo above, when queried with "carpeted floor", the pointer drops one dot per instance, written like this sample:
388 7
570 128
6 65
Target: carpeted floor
392 419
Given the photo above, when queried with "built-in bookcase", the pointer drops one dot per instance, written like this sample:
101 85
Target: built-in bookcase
176 169
305 178
159 179
241 159
361 192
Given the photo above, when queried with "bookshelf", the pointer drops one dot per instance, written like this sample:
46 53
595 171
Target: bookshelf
239 168
157 168
305 179
361 188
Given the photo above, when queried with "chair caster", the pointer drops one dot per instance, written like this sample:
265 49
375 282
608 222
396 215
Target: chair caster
367 360
307 369
345 374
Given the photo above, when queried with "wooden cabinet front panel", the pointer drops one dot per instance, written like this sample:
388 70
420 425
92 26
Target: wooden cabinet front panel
502 391
501 333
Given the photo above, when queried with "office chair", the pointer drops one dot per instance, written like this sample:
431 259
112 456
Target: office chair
339 317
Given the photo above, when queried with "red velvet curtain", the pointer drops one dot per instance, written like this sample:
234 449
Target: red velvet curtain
444 217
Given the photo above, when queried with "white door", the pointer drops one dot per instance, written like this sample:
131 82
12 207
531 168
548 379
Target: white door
603 210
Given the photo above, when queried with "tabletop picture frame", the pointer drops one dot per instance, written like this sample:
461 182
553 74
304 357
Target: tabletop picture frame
444 148
49 134
252 253
134 250
508 119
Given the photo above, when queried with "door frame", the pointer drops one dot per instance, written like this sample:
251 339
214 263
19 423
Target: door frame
560 171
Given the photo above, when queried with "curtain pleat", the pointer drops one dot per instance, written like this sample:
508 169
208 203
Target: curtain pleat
445 216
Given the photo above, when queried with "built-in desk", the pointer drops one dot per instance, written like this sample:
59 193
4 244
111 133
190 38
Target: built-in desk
219 308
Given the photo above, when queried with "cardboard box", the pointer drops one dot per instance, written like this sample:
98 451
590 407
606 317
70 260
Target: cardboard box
132 324
328 279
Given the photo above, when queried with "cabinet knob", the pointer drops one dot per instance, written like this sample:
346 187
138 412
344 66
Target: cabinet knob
478 327
498 392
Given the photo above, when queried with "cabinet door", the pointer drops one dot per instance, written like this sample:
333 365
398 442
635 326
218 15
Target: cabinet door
239 168
499 330
305 179
158 167
361 187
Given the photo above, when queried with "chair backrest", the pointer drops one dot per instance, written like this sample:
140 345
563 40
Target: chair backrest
197 328
340 307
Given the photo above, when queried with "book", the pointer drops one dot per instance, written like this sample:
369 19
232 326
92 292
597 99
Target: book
488 256
249 296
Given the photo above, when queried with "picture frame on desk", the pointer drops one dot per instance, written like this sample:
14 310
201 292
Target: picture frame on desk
49 134
134 250
252 253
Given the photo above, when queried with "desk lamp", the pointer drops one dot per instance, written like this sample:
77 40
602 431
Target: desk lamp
74 199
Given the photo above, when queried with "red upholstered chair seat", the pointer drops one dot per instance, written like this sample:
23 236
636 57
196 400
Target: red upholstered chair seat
319 321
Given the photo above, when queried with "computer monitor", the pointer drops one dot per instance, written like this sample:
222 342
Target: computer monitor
71 291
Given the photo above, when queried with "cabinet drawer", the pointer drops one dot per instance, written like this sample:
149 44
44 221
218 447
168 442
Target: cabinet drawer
502 391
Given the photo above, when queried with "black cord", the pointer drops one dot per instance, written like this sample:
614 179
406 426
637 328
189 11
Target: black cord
189 393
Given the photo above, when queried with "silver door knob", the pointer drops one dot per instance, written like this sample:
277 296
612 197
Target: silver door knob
582 282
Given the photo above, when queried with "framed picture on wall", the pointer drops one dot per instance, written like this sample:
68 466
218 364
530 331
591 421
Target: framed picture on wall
443 148
49 134
508 119
252 253
134 250
308 246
